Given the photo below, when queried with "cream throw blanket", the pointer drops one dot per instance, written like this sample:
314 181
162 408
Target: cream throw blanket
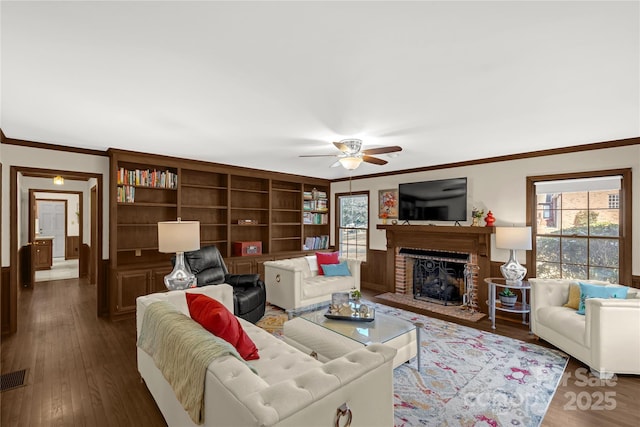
182 349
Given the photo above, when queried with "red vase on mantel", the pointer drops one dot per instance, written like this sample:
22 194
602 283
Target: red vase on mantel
489 219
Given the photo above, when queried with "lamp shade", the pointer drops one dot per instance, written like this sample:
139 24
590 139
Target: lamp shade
513 238
178 236
351 162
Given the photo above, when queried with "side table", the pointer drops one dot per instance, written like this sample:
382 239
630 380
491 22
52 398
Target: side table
519 307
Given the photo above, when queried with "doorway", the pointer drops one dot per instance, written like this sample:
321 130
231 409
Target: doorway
58 227
20 234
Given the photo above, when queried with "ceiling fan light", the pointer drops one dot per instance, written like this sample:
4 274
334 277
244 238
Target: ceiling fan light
351 162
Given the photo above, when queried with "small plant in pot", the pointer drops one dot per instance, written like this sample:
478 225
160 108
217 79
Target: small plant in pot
356 295
508 298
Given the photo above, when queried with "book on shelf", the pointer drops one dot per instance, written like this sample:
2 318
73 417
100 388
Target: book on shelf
315 218
308 195
126 194
315 205
148 178
316 242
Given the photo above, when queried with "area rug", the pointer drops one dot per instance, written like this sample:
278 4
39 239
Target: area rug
469 377
456 311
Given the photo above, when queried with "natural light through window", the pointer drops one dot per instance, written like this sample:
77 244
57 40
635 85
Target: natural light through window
353 225
578 229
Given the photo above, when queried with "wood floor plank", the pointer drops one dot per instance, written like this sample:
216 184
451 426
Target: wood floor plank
82 369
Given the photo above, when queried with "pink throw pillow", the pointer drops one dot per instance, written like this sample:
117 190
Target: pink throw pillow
215 318
326 258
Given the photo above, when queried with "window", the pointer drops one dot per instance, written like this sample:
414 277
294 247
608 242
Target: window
579 227
353 225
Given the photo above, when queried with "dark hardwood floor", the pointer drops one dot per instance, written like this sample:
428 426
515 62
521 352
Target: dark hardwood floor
82 369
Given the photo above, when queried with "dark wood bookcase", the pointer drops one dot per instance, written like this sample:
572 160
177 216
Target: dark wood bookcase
233 204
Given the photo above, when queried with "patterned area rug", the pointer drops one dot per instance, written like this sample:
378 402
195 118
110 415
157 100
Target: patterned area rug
458 312
469 377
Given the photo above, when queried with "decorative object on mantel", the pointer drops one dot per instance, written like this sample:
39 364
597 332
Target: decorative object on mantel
513 238
476 216
489 219
388 204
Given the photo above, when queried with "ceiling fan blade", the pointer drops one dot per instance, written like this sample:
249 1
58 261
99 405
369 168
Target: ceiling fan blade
320 155
342 147
374 160
382 150
336 164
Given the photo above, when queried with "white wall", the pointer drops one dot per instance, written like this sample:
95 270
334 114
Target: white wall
16 155
501 188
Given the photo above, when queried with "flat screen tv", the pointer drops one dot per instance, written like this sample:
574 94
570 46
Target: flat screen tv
439 200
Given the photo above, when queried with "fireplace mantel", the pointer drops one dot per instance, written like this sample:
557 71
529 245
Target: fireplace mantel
473 240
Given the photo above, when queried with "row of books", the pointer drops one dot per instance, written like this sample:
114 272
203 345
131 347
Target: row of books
148 178
126 194
315 205
316 242
315 218
308 195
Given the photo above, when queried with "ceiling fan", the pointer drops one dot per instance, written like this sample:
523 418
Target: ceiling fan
352 154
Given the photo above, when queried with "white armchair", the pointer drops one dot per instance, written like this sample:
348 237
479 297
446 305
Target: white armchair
606 337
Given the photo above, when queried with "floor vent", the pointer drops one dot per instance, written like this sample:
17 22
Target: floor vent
12 380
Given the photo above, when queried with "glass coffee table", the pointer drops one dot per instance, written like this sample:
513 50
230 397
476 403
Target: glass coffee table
328 339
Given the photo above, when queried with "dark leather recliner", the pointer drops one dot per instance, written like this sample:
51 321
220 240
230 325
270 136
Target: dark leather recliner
249 294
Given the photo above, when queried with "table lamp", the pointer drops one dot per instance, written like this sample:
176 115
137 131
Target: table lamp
513 238
179 237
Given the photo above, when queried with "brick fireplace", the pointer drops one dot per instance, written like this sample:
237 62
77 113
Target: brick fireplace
470 246
436 276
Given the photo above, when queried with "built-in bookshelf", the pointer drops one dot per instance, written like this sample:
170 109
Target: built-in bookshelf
315 217
232 205
286 221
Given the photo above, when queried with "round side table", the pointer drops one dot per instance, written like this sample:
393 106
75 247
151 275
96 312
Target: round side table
519 307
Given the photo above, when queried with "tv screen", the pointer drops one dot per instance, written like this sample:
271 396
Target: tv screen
440 200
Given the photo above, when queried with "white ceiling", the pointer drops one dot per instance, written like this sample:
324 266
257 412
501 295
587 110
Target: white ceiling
258 84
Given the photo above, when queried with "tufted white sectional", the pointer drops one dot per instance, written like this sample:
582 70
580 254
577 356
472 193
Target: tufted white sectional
290 389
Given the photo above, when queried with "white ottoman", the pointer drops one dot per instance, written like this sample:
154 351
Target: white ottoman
328 339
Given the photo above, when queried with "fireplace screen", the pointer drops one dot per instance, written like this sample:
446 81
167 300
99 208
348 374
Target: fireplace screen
438 281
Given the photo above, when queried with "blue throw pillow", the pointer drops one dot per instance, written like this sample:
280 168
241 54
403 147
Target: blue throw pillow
596 291
336 269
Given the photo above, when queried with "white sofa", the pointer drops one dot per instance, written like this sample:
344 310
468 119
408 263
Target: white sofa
606 338
294 282
290 389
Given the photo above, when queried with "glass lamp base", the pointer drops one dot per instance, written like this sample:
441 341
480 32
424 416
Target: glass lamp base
181 277
512 271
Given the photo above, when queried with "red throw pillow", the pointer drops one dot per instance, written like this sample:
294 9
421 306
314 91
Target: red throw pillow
326 258
215 318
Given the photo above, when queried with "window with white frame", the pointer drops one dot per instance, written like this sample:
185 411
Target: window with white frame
353 225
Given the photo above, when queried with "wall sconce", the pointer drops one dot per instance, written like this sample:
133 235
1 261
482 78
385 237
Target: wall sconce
58 180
